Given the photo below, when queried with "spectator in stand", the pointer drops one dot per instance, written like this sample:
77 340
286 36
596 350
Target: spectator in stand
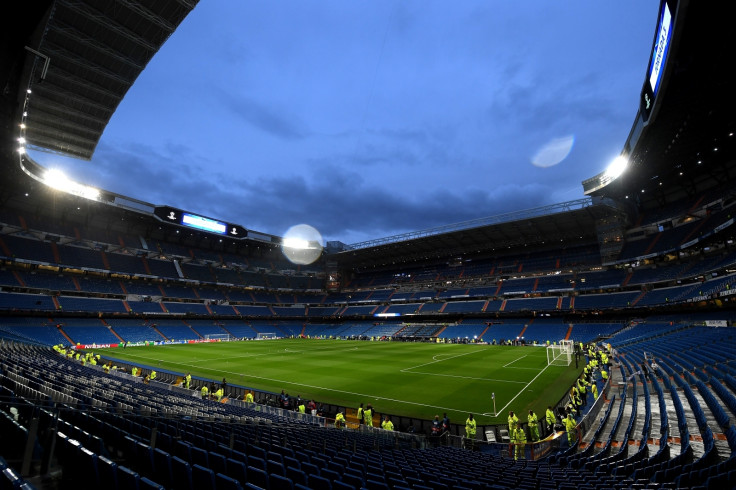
312 407
436 426
445 423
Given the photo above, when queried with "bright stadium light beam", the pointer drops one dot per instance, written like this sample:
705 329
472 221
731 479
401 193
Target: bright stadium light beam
616 168
302 244
55 178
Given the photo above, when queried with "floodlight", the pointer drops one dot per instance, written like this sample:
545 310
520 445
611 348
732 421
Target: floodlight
617 167
55 178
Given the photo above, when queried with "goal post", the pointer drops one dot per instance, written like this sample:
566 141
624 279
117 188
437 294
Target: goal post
218 337
560 354
265 335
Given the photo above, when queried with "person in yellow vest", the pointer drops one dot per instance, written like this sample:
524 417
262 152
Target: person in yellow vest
470 427
134 371
187 381
368 415
361 414
594 389
153 374
339 420
533 426
249 397
513 420
604 375
219 394
204 392
518 437
387 424
302 408
551 419
570 428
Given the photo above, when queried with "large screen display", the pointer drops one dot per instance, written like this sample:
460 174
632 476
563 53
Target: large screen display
661 47
202 223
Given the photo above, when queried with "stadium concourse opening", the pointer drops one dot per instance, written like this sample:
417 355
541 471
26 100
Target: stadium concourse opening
115 312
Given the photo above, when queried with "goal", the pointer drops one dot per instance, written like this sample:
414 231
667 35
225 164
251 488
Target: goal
560 354
218 337
265 335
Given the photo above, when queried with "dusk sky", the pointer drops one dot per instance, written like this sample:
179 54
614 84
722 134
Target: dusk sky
367 119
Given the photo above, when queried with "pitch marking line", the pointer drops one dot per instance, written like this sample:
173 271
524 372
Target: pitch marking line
436 361
304 385
524 388
467 377
519 359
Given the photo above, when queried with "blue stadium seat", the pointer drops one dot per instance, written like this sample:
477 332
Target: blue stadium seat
128 479
162 466
258 477
181 474
338 485
203 478
317 482
296 475
237 469
278 482
108 471
225 482
147 484
218 463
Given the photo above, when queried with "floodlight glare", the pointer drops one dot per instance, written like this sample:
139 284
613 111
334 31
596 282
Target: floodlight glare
55 178
302 244
617 167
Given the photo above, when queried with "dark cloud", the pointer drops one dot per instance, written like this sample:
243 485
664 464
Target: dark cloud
275 121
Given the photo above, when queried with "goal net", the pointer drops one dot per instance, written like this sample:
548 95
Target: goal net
560 354
265 335
218 337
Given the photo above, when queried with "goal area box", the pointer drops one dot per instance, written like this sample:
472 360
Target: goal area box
560 354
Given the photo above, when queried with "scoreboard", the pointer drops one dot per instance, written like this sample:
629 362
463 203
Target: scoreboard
200 223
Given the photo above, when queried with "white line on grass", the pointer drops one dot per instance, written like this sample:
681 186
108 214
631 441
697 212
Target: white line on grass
524 388
467 377
519 359
375 397
436 361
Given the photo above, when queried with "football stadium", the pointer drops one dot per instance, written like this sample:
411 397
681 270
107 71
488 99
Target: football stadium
585 344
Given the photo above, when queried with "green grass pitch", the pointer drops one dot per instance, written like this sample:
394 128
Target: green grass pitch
410 379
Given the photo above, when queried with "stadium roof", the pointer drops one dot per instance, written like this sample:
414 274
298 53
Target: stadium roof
688 145
559 228
97 48
81 61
